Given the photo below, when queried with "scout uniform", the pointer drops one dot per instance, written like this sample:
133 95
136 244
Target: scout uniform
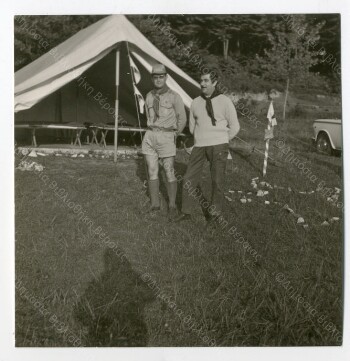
166 117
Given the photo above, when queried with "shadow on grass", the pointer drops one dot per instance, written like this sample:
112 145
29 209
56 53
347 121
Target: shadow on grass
245 155
111 311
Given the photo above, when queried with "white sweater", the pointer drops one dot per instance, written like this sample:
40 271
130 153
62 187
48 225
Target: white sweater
227 125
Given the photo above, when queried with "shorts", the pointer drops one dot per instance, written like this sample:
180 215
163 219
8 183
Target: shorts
159 144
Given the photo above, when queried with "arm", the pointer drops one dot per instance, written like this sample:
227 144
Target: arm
192 122
232 119
180 113
147 110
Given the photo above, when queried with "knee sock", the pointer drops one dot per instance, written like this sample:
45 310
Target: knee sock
172 188
153 187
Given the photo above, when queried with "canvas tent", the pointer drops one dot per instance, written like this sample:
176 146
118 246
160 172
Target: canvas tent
69 83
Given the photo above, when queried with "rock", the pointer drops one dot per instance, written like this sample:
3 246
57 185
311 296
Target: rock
81 155
305 226
267 202
243 200
228 198
260 193
231 191
32 154
300 220
325 223
335 219
266 192
74 155
58 155
38 167
249 200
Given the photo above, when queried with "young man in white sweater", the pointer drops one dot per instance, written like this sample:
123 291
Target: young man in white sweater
213 122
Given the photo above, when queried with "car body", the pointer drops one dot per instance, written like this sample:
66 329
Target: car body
328 135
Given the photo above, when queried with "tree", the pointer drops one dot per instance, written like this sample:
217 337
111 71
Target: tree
292 54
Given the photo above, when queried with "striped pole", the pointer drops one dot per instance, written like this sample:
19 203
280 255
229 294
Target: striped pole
272 121
266 151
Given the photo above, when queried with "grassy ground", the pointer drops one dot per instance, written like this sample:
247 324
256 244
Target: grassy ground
166 284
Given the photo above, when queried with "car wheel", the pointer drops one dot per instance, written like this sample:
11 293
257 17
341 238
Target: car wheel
323 144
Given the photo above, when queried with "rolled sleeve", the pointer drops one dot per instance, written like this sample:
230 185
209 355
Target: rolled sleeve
232 120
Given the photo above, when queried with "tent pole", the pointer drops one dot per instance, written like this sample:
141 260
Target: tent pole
134 84
117 62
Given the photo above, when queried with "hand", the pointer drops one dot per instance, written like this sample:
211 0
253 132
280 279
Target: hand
231 144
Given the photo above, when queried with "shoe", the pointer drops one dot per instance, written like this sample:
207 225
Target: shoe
183 217
211 225
153 210
172 213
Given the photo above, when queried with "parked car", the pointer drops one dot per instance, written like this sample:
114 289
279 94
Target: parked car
327 135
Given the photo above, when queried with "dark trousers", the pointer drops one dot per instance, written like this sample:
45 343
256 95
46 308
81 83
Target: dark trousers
191 193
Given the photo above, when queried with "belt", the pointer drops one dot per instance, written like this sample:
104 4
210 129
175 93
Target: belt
155 129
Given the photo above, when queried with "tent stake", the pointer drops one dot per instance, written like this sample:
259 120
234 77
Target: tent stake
117 61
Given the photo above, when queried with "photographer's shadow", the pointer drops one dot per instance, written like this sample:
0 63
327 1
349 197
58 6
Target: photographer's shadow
112 307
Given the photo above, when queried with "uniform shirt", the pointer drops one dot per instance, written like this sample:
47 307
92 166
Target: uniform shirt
172 113
227 126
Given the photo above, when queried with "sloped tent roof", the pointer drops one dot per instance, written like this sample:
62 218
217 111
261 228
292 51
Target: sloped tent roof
51 89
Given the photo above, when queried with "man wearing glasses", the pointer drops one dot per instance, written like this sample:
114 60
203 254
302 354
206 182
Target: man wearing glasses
166 117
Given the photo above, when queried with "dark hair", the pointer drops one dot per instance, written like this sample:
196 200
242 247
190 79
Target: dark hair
212 71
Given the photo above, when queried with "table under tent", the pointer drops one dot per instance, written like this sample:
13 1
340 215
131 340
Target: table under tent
91 88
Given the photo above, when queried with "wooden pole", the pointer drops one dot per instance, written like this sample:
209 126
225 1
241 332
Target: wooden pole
117 63
285 100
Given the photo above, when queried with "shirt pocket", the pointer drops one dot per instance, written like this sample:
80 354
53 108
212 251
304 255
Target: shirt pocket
165 107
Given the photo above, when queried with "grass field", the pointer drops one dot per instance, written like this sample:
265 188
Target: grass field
273 282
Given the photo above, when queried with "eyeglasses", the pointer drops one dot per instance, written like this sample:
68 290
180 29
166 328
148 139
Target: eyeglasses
155 77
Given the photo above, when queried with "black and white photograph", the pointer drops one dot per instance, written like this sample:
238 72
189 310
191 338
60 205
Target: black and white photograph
178 180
